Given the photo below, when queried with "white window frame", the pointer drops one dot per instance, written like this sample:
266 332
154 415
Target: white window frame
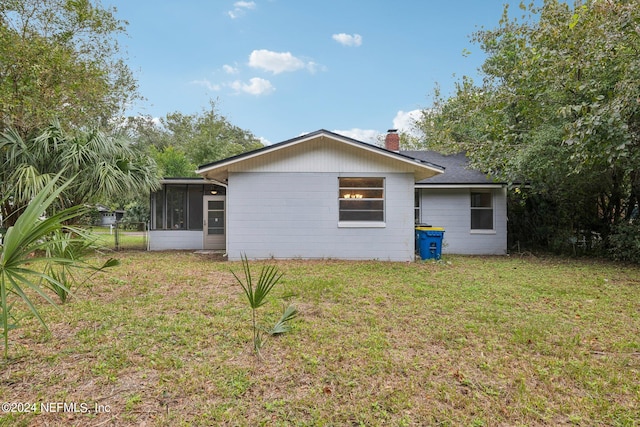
491 208
417 206
362 223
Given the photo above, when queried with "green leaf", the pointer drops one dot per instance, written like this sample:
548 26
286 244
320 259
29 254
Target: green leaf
257 297
111 262
281 325
31 233
574 21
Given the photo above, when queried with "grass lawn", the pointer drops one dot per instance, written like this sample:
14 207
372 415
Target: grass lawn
128 239
165 339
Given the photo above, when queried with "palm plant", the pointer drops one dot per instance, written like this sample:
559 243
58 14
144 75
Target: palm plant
105 166
72 245
21 251
282 325
257 294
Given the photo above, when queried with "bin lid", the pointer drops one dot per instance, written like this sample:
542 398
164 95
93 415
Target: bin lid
430 228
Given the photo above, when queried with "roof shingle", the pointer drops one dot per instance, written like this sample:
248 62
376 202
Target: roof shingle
457 170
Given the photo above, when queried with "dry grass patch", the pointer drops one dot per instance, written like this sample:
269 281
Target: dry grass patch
164 339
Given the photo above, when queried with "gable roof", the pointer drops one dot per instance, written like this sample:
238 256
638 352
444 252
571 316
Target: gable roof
458 173
219 170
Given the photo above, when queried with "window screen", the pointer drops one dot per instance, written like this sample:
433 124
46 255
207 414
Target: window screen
361 199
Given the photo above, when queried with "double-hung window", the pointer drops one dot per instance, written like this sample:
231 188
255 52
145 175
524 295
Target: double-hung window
361 200
481 211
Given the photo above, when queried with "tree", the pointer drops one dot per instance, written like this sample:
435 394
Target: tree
59 59
208 136
105 167
181 142
172 162
558 108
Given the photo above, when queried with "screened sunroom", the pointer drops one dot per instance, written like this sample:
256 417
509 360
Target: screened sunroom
187 214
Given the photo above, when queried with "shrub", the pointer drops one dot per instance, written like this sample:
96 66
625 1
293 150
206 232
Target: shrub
624 242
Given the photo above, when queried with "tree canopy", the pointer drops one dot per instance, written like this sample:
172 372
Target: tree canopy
59 59
64 87
103 168
559 109
181 142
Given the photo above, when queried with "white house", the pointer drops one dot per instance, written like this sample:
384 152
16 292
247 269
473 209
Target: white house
109 216
470 206
324 195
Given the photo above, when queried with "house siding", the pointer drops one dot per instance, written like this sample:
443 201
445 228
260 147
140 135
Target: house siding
160 240
322 155
295 215
451 209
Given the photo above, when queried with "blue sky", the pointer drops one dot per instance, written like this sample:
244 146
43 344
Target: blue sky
281 68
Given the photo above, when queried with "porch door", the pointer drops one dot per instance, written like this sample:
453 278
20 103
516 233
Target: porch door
214 222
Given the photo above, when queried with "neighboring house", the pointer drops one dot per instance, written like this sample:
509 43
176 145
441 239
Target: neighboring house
109 216
323 195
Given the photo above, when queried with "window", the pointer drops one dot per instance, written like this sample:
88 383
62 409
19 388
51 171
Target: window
176 206
481 211
361 199
157 210
215 217
195 207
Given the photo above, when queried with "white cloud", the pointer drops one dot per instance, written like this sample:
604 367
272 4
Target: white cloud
344 39
365 135
314 67
405 121
278 62
264 140
245 4
206 83
156 121
230 69
256 86
240 8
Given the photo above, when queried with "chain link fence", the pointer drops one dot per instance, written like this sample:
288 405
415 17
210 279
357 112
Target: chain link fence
131 236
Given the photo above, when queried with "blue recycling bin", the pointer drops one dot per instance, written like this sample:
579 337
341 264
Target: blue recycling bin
429 242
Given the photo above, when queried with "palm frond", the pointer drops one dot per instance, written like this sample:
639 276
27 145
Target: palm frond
247 284
28 234
28 182
269 277
257 296
282 325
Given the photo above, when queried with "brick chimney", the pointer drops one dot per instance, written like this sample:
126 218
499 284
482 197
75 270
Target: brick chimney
392 140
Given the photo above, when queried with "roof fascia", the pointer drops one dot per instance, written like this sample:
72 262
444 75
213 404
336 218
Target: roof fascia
461 185
198 180
298 140
191 181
